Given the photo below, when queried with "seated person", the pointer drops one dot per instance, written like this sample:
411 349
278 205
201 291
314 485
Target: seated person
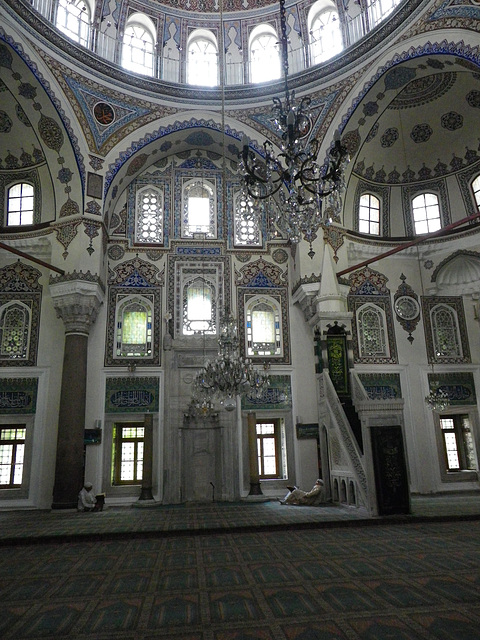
86 500
298 497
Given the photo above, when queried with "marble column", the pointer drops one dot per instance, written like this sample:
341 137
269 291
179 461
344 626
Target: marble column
255 489
146 492
76 302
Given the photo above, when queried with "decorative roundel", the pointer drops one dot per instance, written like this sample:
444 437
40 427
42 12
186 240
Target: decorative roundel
406 307
104 113
304 125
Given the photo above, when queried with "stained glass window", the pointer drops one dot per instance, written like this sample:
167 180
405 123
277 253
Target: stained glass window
149 218
446 338
198 312
134 329
263 328
12 456
371 331
14 331
20 201
73 19
369 214
426 213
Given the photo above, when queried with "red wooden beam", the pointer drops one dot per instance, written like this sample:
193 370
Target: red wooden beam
17 252
406 245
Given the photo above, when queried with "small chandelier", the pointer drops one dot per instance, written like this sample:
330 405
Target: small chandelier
228 375
308 195
437 400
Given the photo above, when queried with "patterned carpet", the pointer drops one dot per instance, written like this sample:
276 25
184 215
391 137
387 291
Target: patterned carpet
396 581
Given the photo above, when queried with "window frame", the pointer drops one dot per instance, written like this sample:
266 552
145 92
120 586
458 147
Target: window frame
475 186
190 184
26 330
159 215
427 220
462 474
315 16
196 37
117 460
279 438
83 32
252 221
380 313
261 66
369 208
248 324
20 422
129 300
20 198
139 21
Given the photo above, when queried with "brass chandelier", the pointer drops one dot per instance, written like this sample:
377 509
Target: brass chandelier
297 194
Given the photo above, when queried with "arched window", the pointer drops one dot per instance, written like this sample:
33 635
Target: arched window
134 328
199 208
324 30
20 203
246 228
14 331
199 307
202 58
139 44
73 19
264 54
149 216
426 213
476 191
445 332
263 327
372 335
369 214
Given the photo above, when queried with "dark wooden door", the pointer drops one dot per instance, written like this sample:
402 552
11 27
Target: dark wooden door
391 479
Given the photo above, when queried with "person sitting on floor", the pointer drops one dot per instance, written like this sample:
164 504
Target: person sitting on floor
299 497
86 499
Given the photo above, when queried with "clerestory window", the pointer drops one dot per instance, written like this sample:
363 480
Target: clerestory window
264 54
325 34
426 213
73 19
202 59
369 214
199 209
476 191
138 47
20 204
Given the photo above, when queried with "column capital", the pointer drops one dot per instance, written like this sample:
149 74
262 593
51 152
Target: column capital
77 298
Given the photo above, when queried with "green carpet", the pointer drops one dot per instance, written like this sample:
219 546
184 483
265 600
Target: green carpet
413 580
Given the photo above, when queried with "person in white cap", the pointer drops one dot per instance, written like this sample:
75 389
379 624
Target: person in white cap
86 498
314 496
